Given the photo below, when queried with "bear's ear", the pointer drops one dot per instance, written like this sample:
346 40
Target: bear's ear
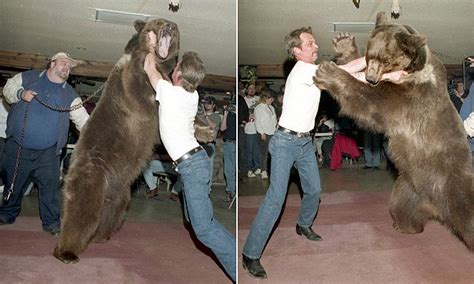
381 19
138 25
409 42
412 45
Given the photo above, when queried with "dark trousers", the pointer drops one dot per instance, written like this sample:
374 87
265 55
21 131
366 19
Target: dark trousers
264 155
42 166
242 161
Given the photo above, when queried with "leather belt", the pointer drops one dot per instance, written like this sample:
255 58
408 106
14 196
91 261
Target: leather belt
187 155
289 131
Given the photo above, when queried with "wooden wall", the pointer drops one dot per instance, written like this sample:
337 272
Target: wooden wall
97 69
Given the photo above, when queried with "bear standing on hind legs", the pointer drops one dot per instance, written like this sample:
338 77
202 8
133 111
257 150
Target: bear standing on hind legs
426 136
115 144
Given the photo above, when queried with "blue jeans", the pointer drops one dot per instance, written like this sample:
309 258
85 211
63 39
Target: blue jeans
229 165
156 166
286 150
195 177
252 152
42 166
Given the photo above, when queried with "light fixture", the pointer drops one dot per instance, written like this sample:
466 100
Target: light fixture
352 27
174 5
118 17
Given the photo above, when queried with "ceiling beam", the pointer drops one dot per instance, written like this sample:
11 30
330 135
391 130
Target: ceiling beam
96 69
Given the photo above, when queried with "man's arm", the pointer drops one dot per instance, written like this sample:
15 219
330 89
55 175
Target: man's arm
79 116
224 121
150 61
150 69
354 66
14 91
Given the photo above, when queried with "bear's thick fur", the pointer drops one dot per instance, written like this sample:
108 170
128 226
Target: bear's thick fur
115 144
426 137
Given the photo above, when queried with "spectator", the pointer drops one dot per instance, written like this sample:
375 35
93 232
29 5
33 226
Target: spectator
372 149
228 125
265 124
278 102
243 117
160 163
456 96
214 120
252 151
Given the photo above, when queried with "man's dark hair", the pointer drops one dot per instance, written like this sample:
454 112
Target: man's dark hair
192 70
293 39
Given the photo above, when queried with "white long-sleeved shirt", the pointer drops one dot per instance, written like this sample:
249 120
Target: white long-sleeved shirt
265 119
14 86
469 124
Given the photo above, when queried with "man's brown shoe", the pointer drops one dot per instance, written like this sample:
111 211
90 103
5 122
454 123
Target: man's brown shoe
253 267
174 197
308 233
152 193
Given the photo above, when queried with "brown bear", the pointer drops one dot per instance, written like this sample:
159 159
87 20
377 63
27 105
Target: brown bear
426 137
115 144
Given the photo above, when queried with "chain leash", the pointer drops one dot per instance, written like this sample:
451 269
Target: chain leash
72 108
7 194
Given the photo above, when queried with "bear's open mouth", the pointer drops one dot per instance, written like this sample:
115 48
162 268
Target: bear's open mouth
164 43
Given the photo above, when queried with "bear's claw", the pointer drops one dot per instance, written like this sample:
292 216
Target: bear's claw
66 257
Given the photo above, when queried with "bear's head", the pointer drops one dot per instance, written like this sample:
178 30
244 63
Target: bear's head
166 47
393 47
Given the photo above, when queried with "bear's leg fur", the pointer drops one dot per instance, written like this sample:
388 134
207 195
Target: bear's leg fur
78 225
113 214
460 215
406 208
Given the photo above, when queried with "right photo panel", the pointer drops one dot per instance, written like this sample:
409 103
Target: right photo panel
354 141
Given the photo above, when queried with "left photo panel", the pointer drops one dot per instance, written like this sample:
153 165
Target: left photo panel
118 141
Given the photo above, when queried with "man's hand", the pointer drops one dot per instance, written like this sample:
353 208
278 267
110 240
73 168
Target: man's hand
263 136
28 95
151 41
150 63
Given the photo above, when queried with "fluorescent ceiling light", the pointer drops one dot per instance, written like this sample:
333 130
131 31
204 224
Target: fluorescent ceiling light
353 27
118 17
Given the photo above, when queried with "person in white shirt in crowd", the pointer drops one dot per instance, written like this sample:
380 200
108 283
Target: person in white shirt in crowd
265 124
252 152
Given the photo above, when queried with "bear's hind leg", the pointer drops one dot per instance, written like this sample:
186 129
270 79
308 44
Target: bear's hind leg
78 225
112 216
82 203
407 208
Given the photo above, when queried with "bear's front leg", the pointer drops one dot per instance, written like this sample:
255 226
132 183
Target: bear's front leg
345 47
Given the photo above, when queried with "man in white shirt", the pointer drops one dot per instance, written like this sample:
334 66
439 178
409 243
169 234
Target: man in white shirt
252 153
177 110
292 145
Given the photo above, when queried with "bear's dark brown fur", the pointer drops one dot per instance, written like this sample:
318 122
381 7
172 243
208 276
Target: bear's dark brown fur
426 137
115 144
